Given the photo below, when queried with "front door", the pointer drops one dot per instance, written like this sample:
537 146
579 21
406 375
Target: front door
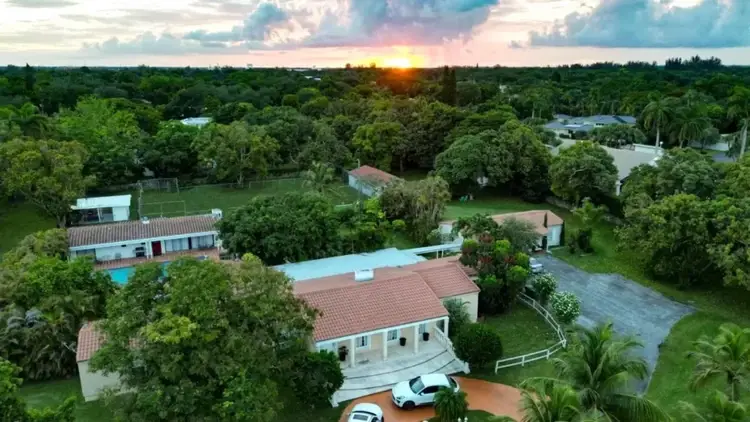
156 248
427 396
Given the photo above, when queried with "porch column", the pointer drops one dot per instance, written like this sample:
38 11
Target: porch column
352 351
445 326
385 345
416 339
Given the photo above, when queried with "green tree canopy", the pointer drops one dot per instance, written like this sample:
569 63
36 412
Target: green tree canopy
48 174
583 170
617 135
291 227
13 408
170 153
194 345
375 143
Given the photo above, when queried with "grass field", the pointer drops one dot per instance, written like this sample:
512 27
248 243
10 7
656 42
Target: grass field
201 199
53 393
19 220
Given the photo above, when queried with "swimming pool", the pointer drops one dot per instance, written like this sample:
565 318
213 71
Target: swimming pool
122 275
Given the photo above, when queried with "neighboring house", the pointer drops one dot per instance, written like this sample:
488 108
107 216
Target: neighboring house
103 209
369 180
367 312
624 159
144 239
196 121
89 341
547 224
566 126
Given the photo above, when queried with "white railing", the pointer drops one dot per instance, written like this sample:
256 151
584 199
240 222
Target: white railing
445 341
539 354
438 249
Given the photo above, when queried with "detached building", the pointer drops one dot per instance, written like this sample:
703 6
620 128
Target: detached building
547 224
369 180
103 209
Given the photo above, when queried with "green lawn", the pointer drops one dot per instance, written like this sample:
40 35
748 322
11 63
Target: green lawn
53 393
201 199
19 220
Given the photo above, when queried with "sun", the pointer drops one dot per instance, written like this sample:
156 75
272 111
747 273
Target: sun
398 62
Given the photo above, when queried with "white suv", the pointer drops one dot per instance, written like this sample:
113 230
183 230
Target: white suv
421 390
366 412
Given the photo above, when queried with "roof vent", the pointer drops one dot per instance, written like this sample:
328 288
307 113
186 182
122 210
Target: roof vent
216 213
144 220
364 275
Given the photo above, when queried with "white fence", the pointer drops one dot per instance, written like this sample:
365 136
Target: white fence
445 341
539 354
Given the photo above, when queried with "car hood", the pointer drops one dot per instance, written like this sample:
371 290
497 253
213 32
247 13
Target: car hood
402 389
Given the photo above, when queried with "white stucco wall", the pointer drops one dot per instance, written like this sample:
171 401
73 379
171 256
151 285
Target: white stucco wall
553 235
365 188
109 253
472 304
92 383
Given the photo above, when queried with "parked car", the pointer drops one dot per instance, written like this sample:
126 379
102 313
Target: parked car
366 412
536 266
421 390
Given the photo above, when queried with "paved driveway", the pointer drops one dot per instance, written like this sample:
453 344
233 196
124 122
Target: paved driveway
497 399
634 309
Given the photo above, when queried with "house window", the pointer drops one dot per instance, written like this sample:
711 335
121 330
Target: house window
422 328
392 335
363 342
441 325
175 245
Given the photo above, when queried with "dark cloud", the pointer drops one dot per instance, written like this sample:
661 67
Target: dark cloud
652 24
256 27
39 4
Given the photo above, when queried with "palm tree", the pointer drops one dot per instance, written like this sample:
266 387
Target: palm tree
727 356
28 118
690 123
319 177
549 401
739 108
718 408
450 405
600 369
657 114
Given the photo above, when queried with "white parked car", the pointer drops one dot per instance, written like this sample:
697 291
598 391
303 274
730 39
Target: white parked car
366 412
536 266
421 390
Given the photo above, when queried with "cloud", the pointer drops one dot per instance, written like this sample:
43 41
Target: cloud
40 4
652 24
258 26
167 44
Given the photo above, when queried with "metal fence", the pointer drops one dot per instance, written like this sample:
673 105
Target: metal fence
539 354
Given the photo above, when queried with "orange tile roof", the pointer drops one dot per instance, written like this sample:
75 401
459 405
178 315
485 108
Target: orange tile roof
372 174
369 306
135 230
535 217
448 281
89 341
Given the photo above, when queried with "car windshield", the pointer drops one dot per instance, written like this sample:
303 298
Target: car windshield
416 385
362 416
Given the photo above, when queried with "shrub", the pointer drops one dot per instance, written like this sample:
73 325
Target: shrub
544 286
316 378
458 317
565 306
478 344
450 406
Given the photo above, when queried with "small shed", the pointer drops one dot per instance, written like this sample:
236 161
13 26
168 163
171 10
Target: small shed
369 180
103 209
93 383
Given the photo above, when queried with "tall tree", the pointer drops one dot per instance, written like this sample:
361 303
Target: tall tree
193 359
690 124
583 170
170 152
375 143
448 93
725 357
28 119
236 151
739 109
46 173
544 401
657 115
718 408
617 135
319 177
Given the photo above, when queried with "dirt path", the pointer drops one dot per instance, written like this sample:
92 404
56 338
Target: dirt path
497 399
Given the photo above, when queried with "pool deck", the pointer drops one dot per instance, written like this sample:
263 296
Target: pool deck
129 262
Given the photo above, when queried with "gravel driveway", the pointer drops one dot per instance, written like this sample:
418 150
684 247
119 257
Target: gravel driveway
634 309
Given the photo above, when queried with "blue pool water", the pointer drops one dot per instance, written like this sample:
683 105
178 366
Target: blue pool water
122 274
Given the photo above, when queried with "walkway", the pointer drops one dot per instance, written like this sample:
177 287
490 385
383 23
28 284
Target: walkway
497 399
634 309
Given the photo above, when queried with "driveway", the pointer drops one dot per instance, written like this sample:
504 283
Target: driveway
497 399
634 309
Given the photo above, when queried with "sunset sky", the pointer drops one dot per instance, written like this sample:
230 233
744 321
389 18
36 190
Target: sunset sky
395 33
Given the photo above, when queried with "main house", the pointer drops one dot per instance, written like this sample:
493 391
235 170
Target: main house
145 238
566 126
547 224
382 313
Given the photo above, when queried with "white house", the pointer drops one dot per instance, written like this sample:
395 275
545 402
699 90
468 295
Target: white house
548 225
103 209
369 180
146 238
